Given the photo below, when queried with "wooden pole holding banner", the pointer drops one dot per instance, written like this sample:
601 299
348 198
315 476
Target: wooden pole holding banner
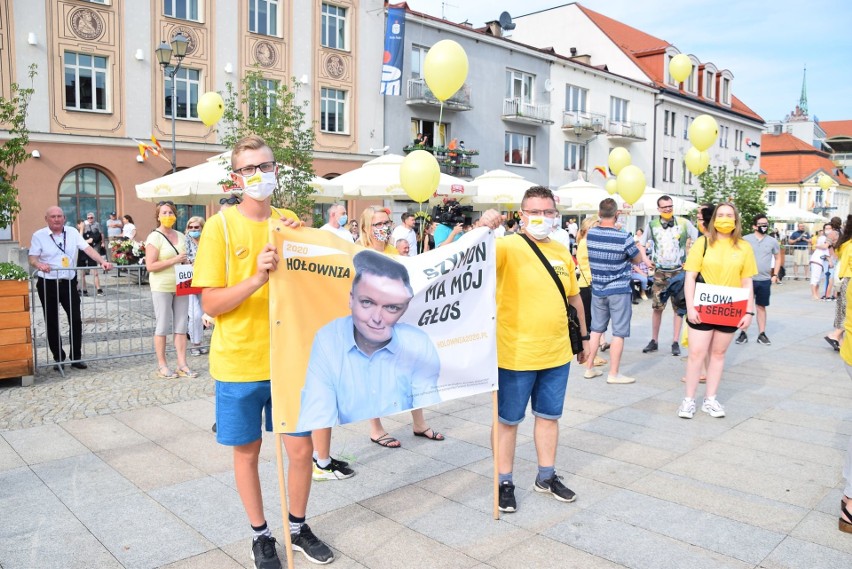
282 491
494 441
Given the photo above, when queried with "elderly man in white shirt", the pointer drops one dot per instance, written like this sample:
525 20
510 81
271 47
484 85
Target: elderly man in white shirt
337 219
406 231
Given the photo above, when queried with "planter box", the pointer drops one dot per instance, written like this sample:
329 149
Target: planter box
16 346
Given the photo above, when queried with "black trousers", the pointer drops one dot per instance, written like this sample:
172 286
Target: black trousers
53 294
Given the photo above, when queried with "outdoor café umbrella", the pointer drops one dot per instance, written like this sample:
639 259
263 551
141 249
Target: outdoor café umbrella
379 178
498 188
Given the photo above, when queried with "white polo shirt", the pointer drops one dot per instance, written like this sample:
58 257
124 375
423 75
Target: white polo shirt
340 232
57 250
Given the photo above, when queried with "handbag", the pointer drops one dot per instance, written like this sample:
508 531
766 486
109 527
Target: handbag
574 335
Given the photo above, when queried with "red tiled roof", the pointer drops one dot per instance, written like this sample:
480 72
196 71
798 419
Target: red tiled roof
784 142
836 128
648 52
788 160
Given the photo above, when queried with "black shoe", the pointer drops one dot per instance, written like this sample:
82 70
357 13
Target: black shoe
313 548
675 349
507 497
86 292
58 367
80 365
214 427
635 300
762 339
554 485
742 338
100 292
651 347
336 470
263 553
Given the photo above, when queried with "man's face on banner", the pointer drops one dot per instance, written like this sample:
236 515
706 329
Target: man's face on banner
377 303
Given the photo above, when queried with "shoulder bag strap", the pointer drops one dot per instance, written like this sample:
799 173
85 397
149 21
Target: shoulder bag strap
549 268
168 241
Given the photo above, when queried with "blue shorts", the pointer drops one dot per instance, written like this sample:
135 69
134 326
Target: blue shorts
546 388
240 407
761 292
616 307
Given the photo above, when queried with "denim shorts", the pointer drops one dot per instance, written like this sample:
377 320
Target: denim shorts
240 407
618 308
545 387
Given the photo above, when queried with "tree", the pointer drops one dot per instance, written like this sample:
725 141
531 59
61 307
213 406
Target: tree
13 116
745 191
270 110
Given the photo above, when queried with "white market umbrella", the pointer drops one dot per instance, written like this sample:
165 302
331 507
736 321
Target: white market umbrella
379 178
584 197
790 213
498 188
202 184
648 202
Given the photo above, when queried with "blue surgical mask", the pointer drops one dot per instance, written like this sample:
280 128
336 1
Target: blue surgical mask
343 219
195 234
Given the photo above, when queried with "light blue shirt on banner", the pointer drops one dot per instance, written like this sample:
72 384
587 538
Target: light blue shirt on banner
344 385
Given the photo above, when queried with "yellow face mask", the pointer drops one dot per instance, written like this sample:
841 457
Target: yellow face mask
667 215
167 221
724 224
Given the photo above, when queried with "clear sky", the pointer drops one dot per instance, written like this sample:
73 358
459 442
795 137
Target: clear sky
764 43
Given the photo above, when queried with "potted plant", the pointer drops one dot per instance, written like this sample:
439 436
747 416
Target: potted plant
16 344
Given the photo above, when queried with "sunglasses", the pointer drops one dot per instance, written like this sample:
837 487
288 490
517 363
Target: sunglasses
233 200
193 227
165 202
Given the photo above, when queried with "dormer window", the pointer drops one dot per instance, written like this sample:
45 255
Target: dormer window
709 84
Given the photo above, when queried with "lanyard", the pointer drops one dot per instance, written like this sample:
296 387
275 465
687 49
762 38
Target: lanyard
58 246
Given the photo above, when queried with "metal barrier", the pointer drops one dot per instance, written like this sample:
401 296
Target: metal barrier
792 271
120 323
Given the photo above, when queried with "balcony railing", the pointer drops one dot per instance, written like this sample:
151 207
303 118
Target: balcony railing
518 111
420 94
455 162
625 130
580 122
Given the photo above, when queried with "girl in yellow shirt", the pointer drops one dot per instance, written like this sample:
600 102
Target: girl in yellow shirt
843 250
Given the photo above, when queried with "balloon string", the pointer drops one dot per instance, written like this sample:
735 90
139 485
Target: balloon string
440 118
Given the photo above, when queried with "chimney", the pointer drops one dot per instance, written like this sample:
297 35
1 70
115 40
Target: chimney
494 28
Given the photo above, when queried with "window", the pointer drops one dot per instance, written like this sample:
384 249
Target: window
709 79
333 110
723 136
690 81
263 17
333 26
418 55
792 196
85 82
726 91
264 97
669 125
685 174
518 149
575 98
575 156
519 86
187 85
738 139
181 9
618 109
770 197
84 190
666 177
687 120
819 195
436 133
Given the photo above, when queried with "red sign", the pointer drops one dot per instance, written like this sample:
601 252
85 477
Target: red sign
183 276
721 305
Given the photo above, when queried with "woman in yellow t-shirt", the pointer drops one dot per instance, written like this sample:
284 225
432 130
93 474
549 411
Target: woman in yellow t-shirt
843 268
375 233
723 258
585 283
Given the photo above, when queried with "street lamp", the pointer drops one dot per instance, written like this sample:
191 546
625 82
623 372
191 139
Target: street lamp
164 56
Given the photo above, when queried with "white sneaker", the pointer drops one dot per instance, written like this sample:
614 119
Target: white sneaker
622 379
592 373
713 408
686 409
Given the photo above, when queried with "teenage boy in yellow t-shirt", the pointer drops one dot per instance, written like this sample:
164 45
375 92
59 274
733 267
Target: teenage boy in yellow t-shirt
232 265
533 350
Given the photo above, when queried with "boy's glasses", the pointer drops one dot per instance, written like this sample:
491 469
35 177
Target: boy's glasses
249 170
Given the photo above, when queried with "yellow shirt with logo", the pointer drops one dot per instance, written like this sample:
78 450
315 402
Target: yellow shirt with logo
165 280
585 279
239 351
532 327
722 264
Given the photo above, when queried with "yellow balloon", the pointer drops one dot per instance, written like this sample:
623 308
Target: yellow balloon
680 67
703 132
631 183
696 161
419 175
618 159
445 69
825 182
611 186
211 107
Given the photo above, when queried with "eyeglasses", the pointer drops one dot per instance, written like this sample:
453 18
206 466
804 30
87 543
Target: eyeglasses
165 202
549 213
249 170
383 224
233 200
90 217
193 227
665 207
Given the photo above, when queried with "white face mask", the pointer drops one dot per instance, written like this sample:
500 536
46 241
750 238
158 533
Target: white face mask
260 185
538 226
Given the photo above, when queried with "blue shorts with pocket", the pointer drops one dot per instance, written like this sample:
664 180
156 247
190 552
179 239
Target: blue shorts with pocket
240 410
617 308
761 292
544 387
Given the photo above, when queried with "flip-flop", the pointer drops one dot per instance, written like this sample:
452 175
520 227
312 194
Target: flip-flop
387 441
436 436
701 379
169 374
833 343
186 372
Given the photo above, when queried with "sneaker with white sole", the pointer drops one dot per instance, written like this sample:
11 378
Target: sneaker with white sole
592 373
762 339
554 485
620 379
686 409
336 470
313 547
507 502
742 338
713 408
263 553
675 349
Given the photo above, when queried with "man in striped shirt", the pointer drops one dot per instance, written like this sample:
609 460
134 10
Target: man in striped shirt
611 255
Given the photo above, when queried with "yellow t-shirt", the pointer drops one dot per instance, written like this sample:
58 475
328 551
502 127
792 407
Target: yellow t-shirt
532 327
165 280
585 279
722 264
846 342
844 265
239 351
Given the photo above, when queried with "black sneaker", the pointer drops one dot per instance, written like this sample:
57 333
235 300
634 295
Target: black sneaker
100 292
86 293
313 548
507 497
742 338
675 349
651 347
762 339
336 470
554 485
263 553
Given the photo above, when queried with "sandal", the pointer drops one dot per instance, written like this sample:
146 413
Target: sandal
163 372
604 347
844 523
387 441
599 362
833 343
436 436
701 379
186 372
